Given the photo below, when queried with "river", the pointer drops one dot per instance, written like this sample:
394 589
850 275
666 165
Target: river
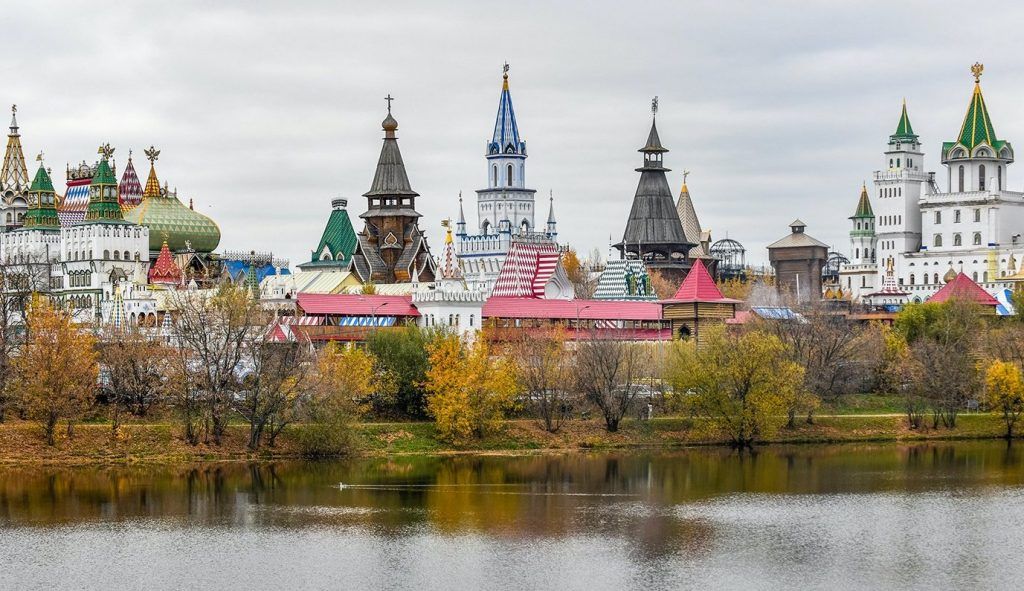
880 516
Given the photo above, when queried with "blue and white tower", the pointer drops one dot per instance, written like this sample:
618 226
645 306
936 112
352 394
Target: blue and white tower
506 196
505 209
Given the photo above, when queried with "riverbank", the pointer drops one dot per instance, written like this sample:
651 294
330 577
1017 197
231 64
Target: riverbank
21 442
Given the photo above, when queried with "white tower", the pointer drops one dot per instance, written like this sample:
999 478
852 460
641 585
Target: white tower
898 188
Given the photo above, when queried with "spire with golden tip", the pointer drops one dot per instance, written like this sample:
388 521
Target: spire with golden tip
152 183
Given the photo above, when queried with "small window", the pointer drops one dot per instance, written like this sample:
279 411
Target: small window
938 240
956 216
509 179
981 177
977 239
961 184
938 217
977 215
957 241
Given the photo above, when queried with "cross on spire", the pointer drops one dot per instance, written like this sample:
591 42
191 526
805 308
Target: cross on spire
389 98
686 173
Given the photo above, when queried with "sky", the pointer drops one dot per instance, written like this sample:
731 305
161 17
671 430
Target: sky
265 111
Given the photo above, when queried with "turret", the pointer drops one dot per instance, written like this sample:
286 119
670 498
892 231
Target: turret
42 203
552 229
977 159
103 202
862 231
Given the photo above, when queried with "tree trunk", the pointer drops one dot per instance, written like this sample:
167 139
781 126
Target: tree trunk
71 429
611 424
50 428
791 416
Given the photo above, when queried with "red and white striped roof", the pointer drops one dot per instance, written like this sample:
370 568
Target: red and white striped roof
129 190
76 201
338 304
527 269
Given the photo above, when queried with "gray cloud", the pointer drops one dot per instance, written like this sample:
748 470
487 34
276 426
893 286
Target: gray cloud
266 110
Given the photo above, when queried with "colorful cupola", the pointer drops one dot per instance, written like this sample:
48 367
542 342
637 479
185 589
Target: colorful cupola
976 130
42 201
168 219
103 202
164 270
505 139
129 190
449 264
14 172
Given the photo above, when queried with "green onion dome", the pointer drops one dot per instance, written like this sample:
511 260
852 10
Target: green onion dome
168 219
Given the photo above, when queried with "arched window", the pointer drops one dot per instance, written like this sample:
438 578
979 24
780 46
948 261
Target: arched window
897 163
509 179
977 239
961 172
126 256
957 241
117 255
981 177
857 255
938 240
911 278
974 276
956 216
495 173
938 217
471 320
935 278
984 277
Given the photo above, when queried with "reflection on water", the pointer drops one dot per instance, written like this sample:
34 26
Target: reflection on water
929 515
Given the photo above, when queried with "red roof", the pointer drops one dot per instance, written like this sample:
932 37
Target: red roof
963 288
699 287
164 269
501 307
356 304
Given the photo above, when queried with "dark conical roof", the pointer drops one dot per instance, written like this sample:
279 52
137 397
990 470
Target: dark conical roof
390 177
653 222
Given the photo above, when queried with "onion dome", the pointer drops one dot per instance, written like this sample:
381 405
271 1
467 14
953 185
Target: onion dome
129 190
164 270
169 220
949 276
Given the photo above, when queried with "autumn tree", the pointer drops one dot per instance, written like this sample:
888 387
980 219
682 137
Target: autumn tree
21 279
742 384
211 333
579 275
273 386
544 366
136 368
1005 389
664 286
56 372
468 390
611 373
899 371
345 379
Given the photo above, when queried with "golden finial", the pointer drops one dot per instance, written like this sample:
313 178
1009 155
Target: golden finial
152 154
686 173
106 151
504 76
977 69
39 157
654 106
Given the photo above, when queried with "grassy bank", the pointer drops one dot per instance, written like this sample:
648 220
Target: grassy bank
21 442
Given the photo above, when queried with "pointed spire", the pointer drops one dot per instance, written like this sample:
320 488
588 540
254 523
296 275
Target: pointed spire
390 179
904 131
152 183
505 139
460 226
129 190
698 286
165 270
551 208
977 127
14 173
864 205
688 218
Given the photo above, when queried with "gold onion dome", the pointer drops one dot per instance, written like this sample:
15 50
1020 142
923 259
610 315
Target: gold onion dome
949 276
167 218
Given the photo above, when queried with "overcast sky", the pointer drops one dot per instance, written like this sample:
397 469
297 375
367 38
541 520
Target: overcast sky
265 111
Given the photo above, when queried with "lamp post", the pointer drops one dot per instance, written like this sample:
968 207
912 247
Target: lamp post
373 314
578 310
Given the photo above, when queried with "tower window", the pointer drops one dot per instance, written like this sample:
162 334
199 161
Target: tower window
957 241
911 278
981 177
999 176
937 241
495 174
977 215
977 239
961 172
509 180
956 216
938 217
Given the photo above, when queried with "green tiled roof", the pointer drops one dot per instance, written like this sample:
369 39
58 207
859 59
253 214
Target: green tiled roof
977 126
103 203
42 204
339 237
166 217
864 205
904 131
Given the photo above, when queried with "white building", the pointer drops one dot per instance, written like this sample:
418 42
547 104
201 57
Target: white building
450 300
972 224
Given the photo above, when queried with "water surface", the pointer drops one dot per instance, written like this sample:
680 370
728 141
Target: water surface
922 516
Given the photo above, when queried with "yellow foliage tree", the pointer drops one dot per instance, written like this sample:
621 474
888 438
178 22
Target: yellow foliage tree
56 372
742 384
1005 389
467 389
346 376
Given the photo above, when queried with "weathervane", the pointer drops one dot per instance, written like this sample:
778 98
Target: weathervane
504 70
106 151
389 98
152 154
977 69
686 173
654 106
39 158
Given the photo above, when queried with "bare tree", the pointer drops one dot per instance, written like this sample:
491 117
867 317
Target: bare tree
610 374
135 371
211 333
20 277
545 366
272 391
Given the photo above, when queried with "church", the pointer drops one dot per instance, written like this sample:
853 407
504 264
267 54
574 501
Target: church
914 231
